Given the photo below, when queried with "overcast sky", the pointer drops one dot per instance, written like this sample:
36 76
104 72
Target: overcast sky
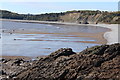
38 7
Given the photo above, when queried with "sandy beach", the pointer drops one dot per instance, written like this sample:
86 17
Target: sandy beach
111 36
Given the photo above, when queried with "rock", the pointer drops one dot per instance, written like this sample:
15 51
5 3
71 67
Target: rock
113 49
97 62
62 52
4 60
98 50
18 62
2 72
12 67
66 52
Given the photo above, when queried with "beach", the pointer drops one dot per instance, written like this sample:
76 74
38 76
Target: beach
111 36
101 38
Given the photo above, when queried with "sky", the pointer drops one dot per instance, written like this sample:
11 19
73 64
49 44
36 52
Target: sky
38 7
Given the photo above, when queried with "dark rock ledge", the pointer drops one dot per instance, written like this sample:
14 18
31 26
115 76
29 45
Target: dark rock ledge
98 62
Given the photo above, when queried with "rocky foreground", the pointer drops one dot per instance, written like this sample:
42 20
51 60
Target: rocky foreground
95 63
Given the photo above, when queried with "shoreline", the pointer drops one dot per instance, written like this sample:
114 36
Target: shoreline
112 35
108 36
99 37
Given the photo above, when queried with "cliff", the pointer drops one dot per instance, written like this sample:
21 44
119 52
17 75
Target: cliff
91 17
81 17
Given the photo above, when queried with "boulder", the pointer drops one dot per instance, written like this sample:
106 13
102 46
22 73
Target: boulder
62 52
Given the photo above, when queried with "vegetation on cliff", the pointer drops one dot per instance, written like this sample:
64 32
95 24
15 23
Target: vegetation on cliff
81 16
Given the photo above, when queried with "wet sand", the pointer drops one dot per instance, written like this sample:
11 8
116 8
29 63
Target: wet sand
98 37
112 35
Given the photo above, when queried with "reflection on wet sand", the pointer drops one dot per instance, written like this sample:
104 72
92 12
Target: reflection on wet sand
97 37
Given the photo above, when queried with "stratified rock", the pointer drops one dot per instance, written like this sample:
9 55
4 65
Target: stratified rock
12 67
2 72
18 62
62 52
3 60
97 62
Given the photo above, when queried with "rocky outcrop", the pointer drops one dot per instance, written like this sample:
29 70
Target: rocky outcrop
97 62
12 67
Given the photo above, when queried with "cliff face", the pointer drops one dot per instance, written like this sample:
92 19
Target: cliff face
92 17
70 17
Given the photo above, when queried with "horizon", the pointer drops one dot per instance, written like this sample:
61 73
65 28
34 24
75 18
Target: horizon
57 7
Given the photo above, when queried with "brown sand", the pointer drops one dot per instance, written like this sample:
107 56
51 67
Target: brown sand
95 36
99 37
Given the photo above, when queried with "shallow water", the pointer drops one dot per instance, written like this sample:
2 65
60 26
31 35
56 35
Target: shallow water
49 38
